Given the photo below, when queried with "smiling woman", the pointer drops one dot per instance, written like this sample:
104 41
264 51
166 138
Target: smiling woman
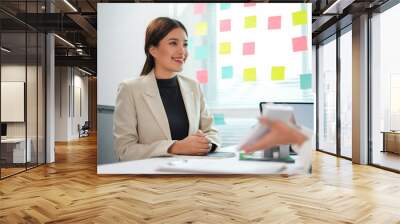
165 47
162 113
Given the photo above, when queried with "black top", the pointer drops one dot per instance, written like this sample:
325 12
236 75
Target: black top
174 106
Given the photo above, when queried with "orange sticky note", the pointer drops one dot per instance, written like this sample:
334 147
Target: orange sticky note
274 22
248 48
225 25
202 76
199 8
299 43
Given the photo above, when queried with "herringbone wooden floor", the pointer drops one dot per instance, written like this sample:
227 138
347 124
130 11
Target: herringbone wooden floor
70 191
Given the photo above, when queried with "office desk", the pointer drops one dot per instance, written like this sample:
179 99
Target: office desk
391 141
198 165
13 150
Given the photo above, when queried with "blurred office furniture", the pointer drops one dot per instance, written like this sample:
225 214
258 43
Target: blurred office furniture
13 151
3 130
84 129
391 141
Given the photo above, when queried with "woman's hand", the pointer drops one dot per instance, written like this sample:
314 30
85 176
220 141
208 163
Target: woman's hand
279 134
196 144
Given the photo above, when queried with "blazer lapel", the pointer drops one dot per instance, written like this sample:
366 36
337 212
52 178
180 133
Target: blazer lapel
188 100
153 100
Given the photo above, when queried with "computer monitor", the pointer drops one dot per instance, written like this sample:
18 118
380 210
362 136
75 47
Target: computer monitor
3 129
303 112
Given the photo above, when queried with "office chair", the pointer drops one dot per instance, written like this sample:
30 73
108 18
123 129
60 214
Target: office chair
84 130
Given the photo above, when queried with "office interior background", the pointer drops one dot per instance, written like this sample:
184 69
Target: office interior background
49 85
67 57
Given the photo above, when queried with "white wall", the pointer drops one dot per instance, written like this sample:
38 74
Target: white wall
61 103
120 44
17 73
68 80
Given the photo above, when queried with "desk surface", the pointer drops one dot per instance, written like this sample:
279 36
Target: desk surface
13 140
390 132
198 165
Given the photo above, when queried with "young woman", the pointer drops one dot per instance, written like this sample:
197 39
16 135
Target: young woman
162 113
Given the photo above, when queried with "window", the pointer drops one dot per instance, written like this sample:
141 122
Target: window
385 89
346 93
327 95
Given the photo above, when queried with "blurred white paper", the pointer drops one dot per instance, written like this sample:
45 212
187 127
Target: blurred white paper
212 166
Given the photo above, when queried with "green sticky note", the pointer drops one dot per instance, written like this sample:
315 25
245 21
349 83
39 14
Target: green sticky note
305 81
219 119
224 6
227 72
201 29
299 18
249 74
190 43
225 48
201 53
250 22
278 73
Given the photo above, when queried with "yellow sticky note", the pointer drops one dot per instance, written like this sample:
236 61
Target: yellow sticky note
249 74
225 48
250 22
201 29
299 18
278 73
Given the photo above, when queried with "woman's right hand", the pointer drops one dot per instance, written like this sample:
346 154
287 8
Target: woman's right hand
196 144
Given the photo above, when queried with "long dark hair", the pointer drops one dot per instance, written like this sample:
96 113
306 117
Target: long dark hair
155 32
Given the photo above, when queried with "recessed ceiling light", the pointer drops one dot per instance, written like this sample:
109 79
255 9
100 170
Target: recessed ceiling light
5 50
71 6
64 40
84 71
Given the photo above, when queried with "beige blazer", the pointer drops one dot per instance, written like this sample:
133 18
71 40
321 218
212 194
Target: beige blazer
141 128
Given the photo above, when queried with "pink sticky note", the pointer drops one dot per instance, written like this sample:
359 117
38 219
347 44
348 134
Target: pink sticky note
225 25
202 76
248 48
249 4
299 43
199 8
274 22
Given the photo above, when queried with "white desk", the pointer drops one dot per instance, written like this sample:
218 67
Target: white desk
18 149
199 165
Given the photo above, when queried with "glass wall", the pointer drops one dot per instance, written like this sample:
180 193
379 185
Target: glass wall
385 89
327 95
22 92
346 93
